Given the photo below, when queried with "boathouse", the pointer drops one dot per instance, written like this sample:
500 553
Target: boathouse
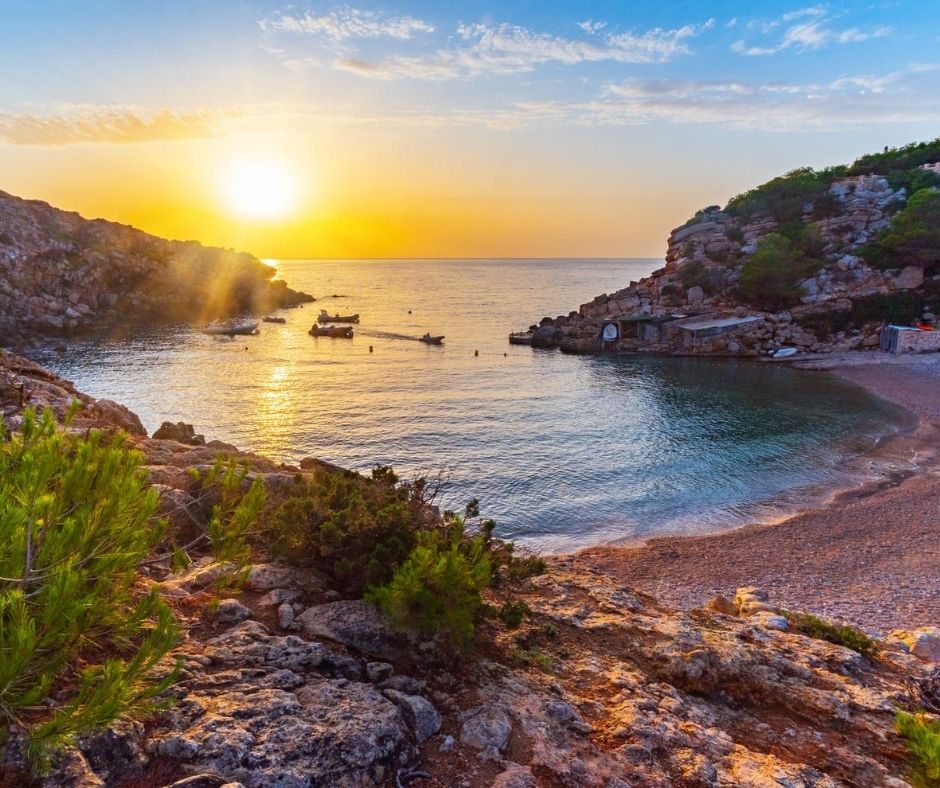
696 329
907 339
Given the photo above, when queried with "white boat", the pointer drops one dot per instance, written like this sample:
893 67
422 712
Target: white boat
784 352
231 328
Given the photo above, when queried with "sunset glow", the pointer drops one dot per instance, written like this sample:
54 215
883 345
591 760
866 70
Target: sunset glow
260 189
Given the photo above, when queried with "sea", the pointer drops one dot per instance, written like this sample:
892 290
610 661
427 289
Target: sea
562 451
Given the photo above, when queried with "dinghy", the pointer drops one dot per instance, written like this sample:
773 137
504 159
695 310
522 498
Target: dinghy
231 328
326 317
784 352
336 332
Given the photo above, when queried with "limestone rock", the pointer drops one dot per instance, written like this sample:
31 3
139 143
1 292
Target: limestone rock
419 713
356 624
485 727
231 611
923 642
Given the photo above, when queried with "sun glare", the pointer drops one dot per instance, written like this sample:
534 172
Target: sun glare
260 189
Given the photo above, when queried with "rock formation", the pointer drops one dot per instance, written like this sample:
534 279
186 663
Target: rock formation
290 685
61 274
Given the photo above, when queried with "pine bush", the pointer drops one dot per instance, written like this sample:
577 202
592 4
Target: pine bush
79 643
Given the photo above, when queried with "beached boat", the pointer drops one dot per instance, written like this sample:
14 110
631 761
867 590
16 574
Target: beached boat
326 317
274 319
231 328
336 332
784 352
520 338
429 340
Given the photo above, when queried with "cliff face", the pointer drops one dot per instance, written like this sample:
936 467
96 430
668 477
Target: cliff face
812 272
62 274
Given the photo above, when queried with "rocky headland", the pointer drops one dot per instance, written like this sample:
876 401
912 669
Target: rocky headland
820 260
61 274
288 680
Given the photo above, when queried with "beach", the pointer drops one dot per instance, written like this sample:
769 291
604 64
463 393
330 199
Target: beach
869 557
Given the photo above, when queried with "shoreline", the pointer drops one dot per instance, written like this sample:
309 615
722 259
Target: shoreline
869 555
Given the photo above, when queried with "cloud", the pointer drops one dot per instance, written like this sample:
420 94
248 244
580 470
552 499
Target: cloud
77 124
509 49
347 23
804 30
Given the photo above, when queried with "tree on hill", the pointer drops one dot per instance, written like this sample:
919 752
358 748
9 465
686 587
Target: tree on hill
913 238
770 277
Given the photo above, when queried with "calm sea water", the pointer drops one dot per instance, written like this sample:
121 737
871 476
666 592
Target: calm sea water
563 451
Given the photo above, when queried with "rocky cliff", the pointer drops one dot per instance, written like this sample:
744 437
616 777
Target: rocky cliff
62 274
823 259
291 683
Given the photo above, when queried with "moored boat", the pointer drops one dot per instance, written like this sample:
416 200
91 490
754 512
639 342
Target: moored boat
429 340
335 332
231 328
326 317
270 319
520 338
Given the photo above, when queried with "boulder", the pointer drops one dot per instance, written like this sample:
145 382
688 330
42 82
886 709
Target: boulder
179 432
121 417
231 611
923 642
909 278
485 727
419 713
356 624
515 777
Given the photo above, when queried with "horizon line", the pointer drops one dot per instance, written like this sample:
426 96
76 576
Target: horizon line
265 257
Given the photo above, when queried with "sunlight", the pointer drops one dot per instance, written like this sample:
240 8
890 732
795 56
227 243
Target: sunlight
260 188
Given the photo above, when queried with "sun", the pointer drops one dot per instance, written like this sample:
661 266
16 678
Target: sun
260 188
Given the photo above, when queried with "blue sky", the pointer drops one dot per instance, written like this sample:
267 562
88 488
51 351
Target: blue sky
677 100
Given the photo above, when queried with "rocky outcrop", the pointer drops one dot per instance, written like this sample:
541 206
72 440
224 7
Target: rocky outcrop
61 274
600 686
714 244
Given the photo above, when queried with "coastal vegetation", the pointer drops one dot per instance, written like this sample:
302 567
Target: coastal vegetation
922 735
913 237
770 277
80 641
840 634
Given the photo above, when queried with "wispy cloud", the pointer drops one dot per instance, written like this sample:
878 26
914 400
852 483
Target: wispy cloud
803 30
347 23
481 48
76 124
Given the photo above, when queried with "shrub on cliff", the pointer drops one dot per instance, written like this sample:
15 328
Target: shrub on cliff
783 197
439 586
923 739
357 530
696 273
892 159
770 277
913 237
78 640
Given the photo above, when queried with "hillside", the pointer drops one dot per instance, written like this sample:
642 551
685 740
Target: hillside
820 258
61 274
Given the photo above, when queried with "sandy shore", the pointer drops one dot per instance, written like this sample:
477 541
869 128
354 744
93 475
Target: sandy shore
871 557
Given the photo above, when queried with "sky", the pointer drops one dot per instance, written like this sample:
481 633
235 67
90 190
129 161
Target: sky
474 129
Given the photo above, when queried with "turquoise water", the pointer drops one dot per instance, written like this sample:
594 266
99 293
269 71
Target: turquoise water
563 451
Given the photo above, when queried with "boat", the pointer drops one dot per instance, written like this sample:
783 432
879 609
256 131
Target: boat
231 328
429 340
784 352
335 332
326 317
520 338
274 319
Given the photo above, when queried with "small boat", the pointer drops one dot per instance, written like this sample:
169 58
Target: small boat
784 352
274 319
520 338
326 317
231 328
429 340
335 332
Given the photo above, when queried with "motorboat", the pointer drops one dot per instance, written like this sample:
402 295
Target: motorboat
335 332
326 317
232 328
270 319
429 340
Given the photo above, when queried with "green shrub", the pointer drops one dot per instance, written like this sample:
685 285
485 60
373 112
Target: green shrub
438 588
913 237
770 277
783 197
513 613
893 159
735 234
902 307
697 274
923 739
357 530
237 512
670 289
840 634
78 641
